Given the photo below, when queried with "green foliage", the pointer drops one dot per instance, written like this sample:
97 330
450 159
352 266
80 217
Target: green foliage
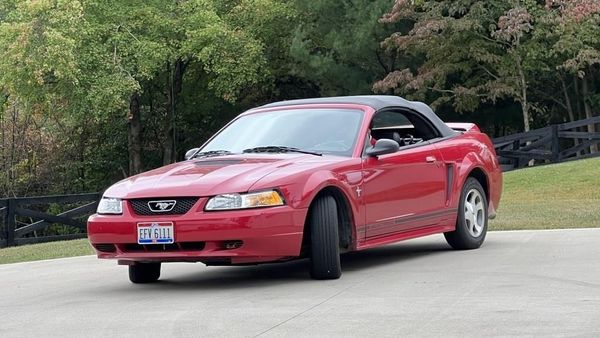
71 67
77 75
471 54
38 48
456 58
336 45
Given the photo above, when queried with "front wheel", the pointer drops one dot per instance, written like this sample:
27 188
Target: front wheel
144 272
324 240
472 221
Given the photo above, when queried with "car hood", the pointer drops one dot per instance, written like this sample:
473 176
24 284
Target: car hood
211 176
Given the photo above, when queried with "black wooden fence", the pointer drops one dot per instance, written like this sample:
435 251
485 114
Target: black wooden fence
24 217
552 144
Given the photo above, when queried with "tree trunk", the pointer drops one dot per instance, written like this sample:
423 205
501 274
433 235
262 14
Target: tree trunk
567 98
169 145
11 170
585 91
524 102
577 96
569 106
134 135
3 163
175 86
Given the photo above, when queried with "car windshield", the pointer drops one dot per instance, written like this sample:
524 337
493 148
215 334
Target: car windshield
323 131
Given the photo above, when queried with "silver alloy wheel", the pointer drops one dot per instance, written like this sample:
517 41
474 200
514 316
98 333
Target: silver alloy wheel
474 212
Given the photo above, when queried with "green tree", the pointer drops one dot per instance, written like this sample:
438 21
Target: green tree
456 59
575 28
336 45
475 53
87 61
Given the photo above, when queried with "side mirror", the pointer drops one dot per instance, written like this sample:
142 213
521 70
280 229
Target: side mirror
382 147
190 153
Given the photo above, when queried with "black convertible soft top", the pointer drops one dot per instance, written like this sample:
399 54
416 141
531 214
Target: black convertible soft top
377 102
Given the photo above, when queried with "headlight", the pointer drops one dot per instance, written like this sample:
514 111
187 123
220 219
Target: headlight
110 206
261 199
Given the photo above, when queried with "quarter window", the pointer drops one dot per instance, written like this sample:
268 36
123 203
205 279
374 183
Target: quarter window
405 127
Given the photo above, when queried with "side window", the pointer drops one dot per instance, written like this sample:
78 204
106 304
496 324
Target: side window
390 119
405 127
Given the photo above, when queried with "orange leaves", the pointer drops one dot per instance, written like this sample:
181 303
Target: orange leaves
576 10
513 25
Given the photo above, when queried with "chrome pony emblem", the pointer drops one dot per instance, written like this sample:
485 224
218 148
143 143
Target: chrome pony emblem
161 206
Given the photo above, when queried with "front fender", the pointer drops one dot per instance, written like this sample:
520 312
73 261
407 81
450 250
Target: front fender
320 180
300 190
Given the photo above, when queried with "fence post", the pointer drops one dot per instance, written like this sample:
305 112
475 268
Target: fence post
555 144
517 161
10 221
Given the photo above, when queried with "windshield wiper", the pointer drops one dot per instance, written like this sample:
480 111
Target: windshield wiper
213 153
280 149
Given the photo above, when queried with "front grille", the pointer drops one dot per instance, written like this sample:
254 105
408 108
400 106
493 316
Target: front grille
183 246
182 205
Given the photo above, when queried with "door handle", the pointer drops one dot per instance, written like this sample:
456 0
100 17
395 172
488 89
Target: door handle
430 159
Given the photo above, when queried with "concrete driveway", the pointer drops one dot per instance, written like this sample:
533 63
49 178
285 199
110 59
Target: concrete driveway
526 283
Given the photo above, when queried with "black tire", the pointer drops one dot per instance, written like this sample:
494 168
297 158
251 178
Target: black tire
462 238
324 240
141 273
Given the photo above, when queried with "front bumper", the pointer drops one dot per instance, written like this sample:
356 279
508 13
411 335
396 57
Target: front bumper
224 237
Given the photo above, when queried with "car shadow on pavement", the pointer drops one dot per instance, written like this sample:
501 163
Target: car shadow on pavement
297 271
395 253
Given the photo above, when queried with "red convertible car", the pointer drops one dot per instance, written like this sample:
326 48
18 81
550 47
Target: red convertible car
305 178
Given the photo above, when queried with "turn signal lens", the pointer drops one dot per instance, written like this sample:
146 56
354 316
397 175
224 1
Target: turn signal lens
263 199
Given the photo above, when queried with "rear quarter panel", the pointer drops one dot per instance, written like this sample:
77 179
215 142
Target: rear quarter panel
469 151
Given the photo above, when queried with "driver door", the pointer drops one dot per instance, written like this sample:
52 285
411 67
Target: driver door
405 190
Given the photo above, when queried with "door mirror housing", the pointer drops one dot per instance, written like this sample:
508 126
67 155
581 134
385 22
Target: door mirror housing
190 153
383 146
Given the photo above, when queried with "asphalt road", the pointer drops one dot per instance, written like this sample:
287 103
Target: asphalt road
527 283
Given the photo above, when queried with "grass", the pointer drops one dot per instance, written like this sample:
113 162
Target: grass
36 252
560 196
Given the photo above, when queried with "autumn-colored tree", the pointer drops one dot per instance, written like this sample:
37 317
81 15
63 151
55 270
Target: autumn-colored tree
469 53
466 53
92 91
575 27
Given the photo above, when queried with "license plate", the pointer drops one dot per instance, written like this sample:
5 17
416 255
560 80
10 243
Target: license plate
155 233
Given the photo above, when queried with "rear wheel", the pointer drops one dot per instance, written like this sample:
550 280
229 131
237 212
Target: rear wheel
144 272
324 240
472 221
